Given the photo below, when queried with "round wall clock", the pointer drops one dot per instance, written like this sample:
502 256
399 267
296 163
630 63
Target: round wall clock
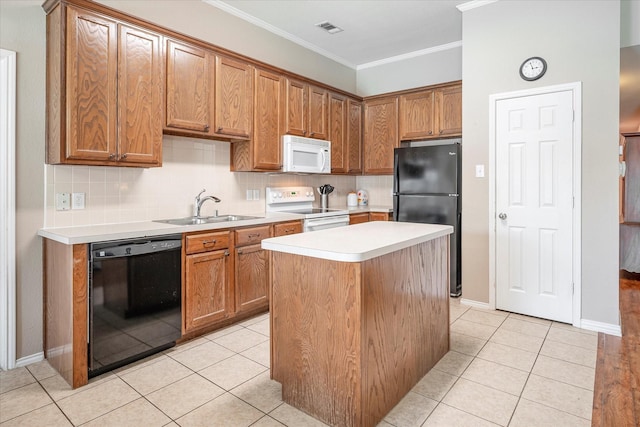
533 68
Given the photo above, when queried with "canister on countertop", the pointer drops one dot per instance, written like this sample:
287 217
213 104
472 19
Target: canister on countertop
363 198
352 199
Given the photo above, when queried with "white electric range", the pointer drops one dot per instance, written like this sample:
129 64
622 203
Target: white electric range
299 200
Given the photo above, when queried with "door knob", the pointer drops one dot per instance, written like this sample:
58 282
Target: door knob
502 215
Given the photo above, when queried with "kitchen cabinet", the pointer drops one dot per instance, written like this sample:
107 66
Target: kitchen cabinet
208 95
380 216
104 90
431 113
380 135
189 88
233 98
251 269
357 218
306 110
264 151
286 228
206 291
338 134
354 137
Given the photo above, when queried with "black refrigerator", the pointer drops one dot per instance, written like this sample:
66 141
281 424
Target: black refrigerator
426 189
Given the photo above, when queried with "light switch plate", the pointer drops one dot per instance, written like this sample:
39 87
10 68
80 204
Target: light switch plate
77 201
479 171
256 194
63 201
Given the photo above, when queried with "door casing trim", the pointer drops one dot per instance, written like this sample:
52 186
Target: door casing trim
576 247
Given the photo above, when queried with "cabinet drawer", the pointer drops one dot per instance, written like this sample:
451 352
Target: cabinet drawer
286 228
358 218
207 242
252 235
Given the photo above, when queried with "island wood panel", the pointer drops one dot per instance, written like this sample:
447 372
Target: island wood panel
406 323
65 304
349 340
315 317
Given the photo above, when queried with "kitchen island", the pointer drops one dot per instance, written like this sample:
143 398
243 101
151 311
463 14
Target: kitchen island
359 315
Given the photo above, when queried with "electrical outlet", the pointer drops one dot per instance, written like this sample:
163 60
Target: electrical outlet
479 171
249 194
63 201
256 194
77 201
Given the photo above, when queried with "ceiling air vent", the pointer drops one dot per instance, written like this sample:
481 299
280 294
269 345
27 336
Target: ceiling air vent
329 27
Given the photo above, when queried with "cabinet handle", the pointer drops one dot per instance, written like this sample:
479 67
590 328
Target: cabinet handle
220 129
226 253
124 156
253 236
208 242
441 130
112 156
206 128
239 251
430 132
304 132
312 133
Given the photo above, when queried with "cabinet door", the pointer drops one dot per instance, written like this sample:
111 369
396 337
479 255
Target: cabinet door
268 120
92 55
189 91
379 216
206 296
358 218
252 278
380 135
234 93
337 126
449 110
296 108
318 113
139 96
354 137
417 111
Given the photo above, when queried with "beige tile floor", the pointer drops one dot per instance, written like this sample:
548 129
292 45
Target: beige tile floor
503 369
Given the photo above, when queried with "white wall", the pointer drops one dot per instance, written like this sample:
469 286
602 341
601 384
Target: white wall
579 44
424 70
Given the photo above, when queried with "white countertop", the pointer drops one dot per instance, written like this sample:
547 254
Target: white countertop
358 242
141 229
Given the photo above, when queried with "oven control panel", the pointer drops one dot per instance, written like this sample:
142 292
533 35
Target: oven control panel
278 195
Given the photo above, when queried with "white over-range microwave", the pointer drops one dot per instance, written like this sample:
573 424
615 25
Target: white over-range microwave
305 155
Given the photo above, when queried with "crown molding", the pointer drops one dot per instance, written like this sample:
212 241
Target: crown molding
409 55
473 4
277 31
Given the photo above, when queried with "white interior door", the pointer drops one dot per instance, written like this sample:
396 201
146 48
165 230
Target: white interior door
534 205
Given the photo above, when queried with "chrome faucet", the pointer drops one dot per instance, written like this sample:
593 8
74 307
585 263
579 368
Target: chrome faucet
197 205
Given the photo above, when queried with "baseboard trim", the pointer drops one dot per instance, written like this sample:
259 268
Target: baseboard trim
606 328
28 360
477 304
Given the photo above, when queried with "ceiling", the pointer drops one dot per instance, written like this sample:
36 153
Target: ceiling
374 30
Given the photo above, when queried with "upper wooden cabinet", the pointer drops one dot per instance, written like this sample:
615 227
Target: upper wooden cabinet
104 91
207 95
264 151
431 113
338 133
234 96
354 136
306 110
345 134
189 88
449 110
380 135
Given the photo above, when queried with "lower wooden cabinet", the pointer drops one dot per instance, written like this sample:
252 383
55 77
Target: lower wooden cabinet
206 291
380 216
251 280
357 218
286 228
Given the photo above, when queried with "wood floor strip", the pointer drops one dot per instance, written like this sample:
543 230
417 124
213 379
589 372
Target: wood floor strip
616 399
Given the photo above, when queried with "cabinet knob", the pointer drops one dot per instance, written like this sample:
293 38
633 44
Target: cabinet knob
219 129
206 128
304 132
430 132
441 131
112 156
226 253
124 156
239 251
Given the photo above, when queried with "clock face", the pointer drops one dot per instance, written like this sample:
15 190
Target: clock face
533 68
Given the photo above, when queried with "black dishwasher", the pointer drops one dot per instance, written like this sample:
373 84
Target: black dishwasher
134 300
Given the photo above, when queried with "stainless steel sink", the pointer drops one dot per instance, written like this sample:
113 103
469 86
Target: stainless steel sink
191 220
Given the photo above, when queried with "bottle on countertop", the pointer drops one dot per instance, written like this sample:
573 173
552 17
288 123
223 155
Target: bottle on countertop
352 199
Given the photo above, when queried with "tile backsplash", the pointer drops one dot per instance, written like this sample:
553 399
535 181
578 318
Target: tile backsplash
119 194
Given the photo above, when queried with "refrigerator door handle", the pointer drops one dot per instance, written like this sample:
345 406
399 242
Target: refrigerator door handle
396 173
